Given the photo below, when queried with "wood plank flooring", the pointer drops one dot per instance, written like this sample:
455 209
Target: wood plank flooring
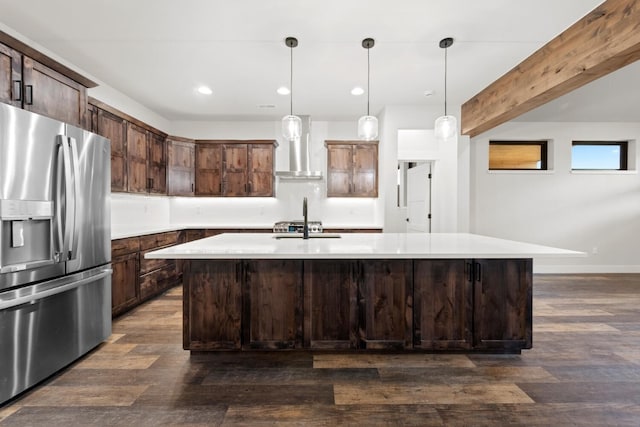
584 370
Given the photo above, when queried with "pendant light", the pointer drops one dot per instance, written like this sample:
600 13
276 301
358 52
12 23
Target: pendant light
368 125
446 126
291 125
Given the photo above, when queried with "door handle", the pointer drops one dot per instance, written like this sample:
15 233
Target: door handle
17 90
64 226
478 271
76 195
28 94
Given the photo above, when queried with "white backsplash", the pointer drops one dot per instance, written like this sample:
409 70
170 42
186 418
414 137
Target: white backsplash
133 210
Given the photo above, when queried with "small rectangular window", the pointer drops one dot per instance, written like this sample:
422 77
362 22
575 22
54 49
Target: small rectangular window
517 155
599 155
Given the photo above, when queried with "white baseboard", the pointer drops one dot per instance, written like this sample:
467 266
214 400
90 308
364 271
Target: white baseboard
577 269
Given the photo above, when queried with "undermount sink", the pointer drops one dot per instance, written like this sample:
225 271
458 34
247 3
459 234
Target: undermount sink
311 236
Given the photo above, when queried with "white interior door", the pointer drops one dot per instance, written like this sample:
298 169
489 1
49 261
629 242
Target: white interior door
419 199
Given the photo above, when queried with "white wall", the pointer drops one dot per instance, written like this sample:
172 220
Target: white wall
598 213
449 185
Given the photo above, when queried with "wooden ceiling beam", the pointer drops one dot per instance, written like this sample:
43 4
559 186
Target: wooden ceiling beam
605 40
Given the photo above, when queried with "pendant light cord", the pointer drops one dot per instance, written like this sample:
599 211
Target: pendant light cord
291 81
445 81
368 79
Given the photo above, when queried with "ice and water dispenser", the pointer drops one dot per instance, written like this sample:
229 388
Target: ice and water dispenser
25 234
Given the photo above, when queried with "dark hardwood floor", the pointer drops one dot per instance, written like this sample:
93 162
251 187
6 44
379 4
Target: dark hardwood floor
584 369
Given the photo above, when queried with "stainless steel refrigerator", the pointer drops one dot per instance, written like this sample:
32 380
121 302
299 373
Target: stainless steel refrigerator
55 246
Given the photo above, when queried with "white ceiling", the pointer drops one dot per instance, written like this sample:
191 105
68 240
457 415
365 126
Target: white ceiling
158 51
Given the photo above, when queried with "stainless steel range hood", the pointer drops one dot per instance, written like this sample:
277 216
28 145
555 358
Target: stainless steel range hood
299 157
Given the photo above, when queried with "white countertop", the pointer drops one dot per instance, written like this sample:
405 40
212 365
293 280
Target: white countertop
358 246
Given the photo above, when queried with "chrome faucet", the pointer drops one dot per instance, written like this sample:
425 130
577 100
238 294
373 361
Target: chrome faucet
305 227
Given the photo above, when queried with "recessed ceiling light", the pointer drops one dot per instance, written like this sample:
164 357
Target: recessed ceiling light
357 91
205 90
283 90
428 92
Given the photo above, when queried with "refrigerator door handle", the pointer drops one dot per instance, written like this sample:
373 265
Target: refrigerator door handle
26 299
64 235
73 246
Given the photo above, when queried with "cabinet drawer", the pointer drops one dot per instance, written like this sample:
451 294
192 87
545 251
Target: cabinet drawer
148 265
158 280
124 246
157 240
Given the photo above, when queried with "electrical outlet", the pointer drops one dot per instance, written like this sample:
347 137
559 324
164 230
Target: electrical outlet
594 250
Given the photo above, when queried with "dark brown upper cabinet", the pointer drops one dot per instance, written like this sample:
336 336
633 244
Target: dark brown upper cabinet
352 169
157 164
181 166
235 168
35 82
138 151
115 129
208 169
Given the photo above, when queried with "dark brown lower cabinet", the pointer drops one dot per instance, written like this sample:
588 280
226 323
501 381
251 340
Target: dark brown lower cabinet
212 305
503 315
429 305
124 283
443 304
272 304
385 304
330 304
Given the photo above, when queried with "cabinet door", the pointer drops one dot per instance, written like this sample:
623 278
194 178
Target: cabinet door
50 93
339 158
385 304
235 170
115 128
502 304
124 293
365 171
260 173
157 165
208 170
330 304
181 164
273 304
137 146
10 76
212 305
443 304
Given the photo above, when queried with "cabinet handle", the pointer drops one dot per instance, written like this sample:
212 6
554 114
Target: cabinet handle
478 272
249 187
192 189
28 94
468 270
17 90
220 190
245 188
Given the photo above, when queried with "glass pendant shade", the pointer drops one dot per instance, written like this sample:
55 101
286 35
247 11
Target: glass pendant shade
445 127
368 128
291 127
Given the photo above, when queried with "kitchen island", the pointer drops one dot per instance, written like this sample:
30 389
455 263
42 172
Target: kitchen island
414 292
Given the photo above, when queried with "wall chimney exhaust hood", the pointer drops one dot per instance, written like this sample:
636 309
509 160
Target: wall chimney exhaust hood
299 157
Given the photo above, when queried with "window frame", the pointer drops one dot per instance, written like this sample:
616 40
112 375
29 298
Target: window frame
544 154
624 154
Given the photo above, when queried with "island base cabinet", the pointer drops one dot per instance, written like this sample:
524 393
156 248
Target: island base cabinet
443 304
450 305
212 305
272 304
385 304
503 315
330 304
